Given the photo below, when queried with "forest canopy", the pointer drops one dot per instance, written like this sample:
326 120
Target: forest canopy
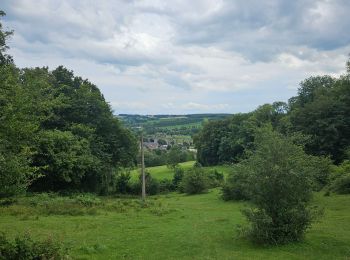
56 131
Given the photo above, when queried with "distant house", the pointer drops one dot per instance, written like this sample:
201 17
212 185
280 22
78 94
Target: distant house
151 145
163 147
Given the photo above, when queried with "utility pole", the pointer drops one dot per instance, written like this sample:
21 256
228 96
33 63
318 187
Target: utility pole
143 170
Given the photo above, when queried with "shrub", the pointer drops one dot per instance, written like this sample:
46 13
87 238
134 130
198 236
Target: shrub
342 184
216 178
236 186
194 181
87 200
166 185
285 227
152 185
24 247
280 182
178 175
340 180
123 182
321 167
197 165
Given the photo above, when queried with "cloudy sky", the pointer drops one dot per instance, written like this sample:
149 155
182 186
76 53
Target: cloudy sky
177 57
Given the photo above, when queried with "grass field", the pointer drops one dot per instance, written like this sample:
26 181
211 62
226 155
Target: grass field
178 126
163 172
173 226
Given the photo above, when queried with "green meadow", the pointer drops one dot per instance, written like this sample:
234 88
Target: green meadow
164 172
172 226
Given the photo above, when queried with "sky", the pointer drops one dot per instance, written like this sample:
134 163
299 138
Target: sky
181 57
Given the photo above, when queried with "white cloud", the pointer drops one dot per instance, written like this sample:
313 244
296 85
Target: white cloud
204 55
205 107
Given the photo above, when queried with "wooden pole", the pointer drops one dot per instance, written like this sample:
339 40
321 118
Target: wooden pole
143 170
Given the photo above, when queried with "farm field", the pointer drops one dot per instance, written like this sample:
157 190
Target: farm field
173 226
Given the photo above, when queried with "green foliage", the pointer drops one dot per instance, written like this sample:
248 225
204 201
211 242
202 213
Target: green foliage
228 140
321 110
57 132
24 247
176 155
162 142
340 178
51 204
65 159
17 126
152 185
280 185
236 186
342 184
155 158
287 227
166 185
178 176
17 134
15 175
4 36
123 182
195 181
318 117
215 178
321 170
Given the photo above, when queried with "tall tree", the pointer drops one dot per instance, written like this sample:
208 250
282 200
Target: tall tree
4 35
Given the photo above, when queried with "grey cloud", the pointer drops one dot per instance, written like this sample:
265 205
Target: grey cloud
262 29
183 49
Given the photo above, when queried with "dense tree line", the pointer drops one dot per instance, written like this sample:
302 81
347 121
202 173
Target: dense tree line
56 131
318 117
226 141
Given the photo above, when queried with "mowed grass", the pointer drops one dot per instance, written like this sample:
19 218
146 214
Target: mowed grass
176 226
164 172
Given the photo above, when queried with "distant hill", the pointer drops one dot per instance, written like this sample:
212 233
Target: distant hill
169 124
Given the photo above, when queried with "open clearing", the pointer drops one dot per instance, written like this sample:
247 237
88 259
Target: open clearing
173 226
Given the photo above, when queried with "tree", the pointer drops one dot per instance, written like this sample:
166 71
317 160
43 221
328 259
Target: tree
71 108
280 185
175 156
65 160
4 35
162 142
322 111
17 126
56 131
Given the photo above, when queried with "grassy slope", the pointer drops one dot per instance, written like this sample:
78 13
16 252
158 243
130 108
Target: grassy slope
183 227
163 172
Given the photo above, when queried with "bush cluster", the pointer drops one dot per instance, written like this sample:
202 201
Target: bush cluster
24 247
340 178
195 181
236 187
